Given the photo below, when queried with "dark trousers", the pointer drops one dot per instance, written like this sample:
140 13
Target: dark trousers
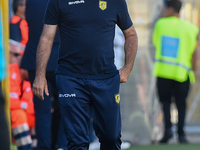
4 132
48 123
79 98
167 91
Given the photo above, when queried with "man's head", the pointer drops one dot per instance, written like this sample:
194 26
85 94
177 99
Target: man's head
14 49
19 7
172 8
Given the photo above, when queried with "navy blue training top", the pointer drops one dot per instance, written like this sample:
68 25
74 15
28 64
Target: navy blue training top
87 29
35 12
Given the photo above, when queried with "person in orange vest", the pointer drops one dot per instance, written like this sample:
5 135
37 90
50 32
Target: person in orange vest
21 104
18 24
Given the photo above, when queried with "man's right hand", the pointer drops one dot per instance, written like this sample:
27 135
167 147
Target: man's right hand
39 87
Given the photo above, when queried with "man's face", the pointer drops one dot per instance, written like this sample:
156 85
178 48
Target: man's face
15 55
22 8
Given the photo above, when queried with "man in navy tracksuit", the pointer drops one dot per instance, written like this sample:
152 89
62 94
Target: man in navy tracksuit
86 77
46 129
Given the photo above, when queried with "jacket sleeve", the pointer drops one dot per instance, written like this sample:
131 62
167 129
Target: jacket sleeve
27 97
26 90
24 32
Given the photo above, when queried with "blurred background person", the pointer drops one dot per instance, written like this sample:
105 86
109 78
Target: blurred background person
18 24
47 112
175 63
21 104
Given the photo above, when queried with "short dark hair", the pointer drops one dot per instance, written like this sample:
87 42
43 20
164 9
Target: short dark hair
175 4
17 3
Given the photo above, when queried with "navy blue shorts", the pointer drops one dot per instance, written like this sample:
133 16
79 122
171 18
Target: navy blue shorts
81 99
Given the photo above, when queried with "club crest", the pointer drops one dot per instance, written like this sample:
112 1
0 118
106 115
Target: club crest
117 98
102 5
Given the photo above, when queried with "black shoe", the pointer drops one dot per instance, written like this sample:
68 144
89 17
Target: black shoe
182 140
168 135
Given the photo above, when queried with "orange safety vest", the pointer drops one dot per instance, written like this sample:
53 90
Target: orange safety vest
19 30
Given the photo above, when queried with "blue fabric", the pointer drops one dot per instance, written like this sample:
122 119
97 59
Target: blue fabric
35 11
2 51
21 135
87 35
62 141
170 46
84 97
26 147
15 31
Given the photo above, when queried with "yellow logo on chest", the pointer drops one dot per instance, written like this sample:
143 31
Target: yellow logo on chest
102 5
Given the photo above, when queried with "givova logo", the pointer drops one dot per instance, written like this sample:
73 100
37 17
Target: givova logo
67 95
76 2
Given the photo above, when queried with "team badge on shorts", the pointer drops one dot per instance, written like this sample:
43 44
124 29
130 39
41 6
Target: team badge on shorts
117 98
102 5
